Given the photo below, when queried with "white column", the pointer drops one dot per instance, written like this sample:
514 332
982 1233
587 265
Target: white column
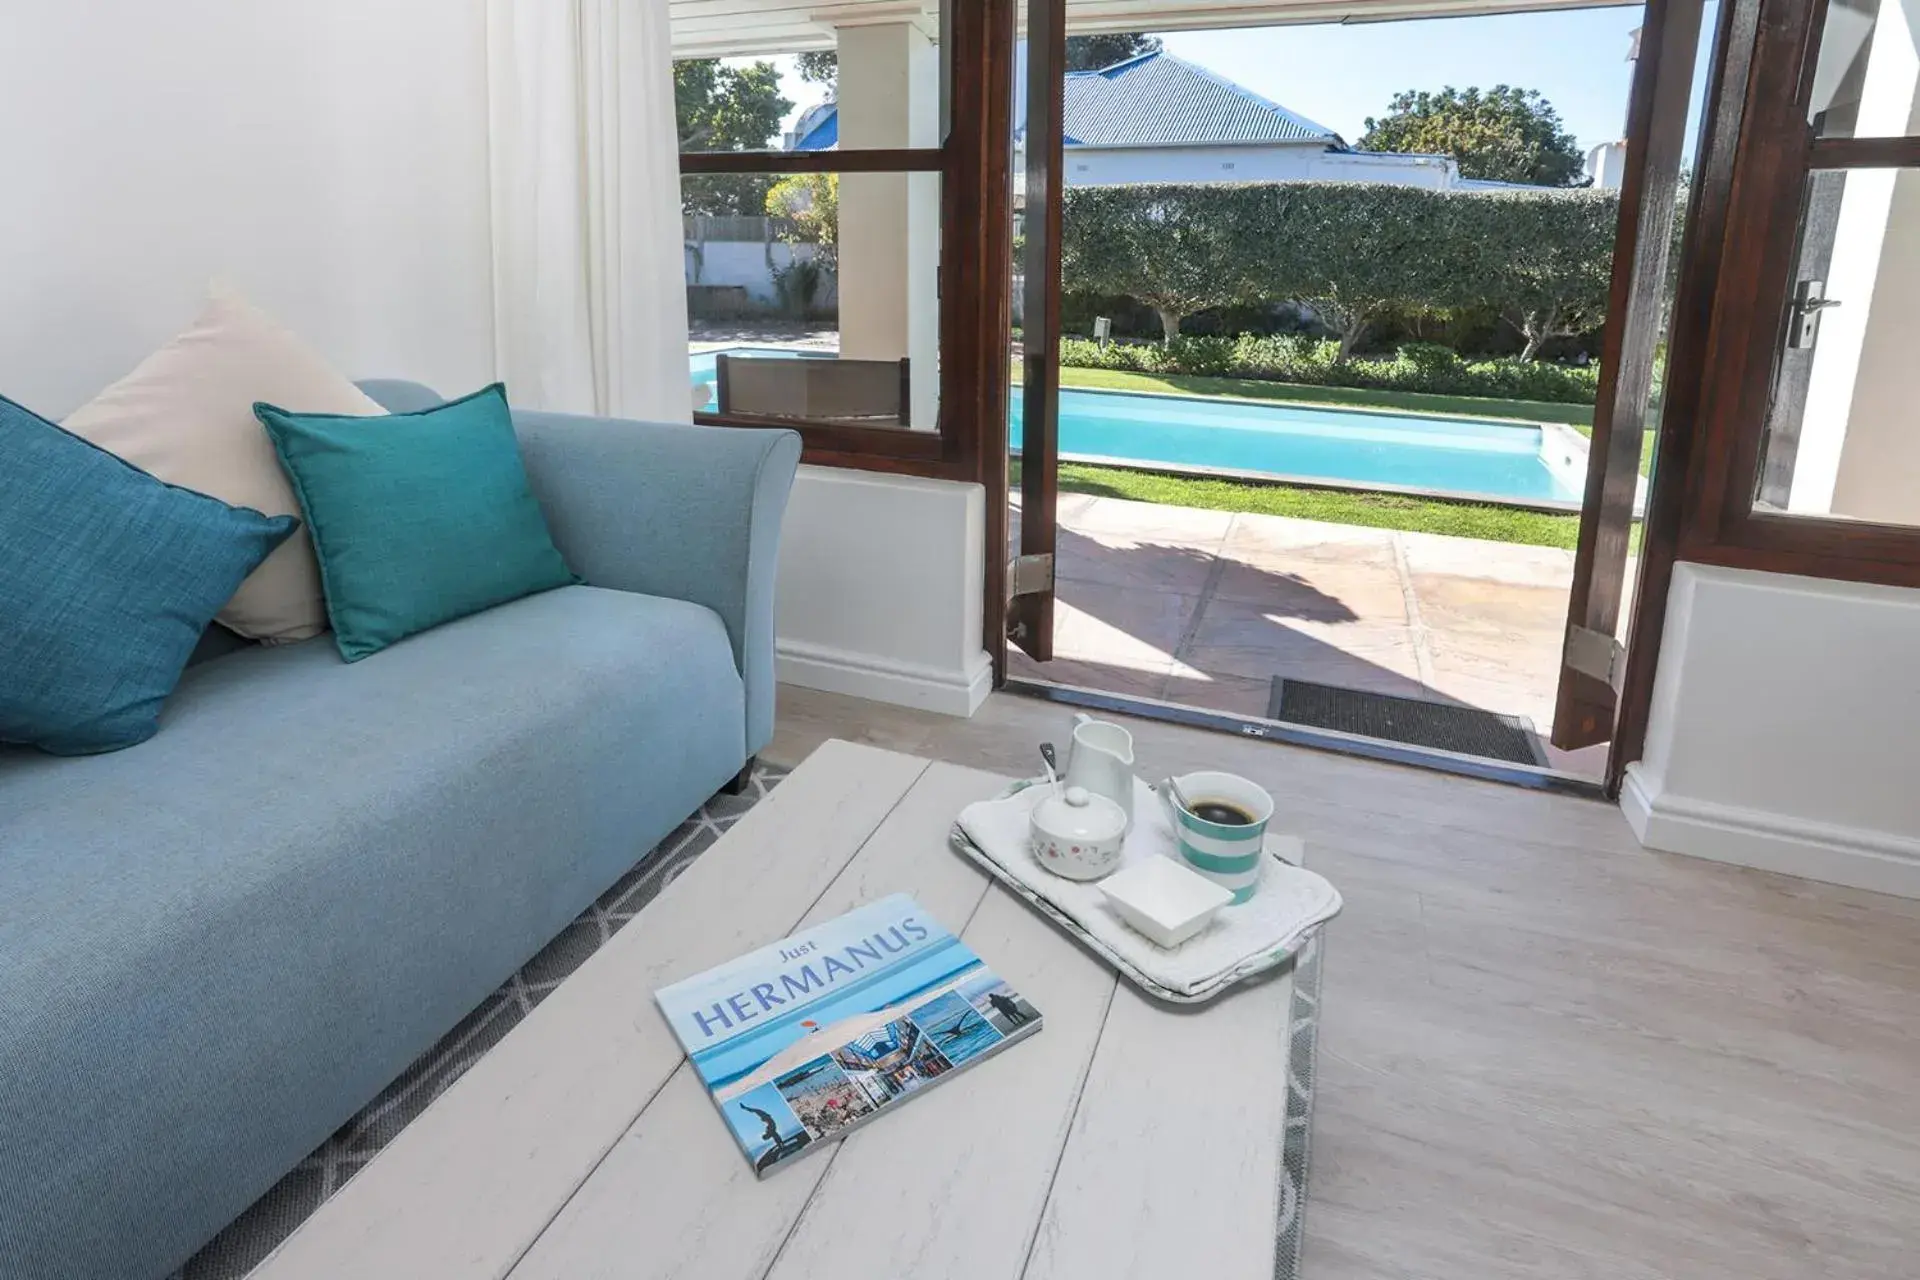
1859 453
889 96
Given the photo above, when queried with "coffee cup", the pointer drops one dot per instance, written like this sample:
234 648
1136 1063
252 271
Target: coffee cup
1222 828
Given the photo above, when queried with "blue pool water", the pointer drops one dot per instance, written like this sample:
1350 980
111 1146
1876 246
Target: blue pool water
1498 461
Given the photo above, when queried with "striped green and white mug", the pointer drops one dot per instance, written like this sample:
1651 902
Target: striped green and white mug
1223 835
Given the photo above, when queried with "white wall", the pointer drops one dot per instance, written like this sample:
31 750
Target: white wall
749 264
1280 162
1786 728
1606 165
882 580
330 160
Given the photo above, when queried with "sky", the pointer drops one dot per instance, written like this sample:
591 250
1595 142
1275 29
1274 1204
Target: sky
1339 74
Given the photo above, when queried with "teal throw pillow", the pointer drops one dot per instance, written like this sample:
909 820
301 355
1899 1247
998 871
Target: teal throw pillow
416 518
108 577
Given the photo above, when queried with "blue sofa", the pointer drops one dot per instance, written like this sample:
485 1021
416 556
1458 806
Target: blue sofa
217 946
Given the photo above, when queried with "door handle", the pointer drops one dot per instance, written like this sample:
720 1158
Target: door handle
1803 320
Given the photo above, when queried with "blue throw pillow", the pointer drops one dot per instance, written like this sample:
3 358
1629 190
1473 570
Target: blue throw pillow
416 518
107 579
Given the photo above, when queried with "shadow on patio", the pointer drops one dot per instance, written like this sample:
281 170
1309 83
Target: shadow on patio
1206 607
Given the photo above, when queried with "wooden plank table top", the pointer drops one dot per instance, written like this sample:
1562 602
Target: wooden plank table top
1128 1138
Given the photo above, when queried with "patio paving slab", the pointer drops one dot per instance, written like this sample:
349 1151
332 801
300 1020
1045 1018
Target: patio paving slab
1238 639
1151 522
1236 695
1118 626
1130 681
1263 539
1206 607
1119 560
1319 592
1449 556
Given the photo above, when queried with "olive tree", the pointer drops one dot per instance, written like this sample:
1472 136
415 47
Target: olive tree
1171 247
1545 259
1349 251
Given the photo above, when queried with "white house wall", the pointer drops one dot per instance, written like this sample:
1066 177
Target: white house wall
745 264
1278 162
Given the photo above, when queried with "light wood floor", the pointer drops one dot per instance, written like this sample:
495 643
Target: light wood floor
1545 1051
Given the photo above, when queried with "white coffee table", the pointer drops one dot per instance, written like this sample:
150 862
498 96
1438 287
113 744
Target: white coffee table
1128 1138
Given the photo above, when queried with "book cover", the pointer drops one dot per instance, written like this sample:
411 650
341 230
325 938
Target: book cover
801 1042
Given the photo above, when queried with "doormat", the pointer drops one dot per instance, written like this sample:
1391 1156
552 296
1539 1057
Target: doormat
1444 726
291 1201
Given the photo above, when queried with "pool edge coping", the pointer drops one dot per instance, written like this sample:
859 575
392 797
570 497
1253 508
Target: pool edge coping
1278 401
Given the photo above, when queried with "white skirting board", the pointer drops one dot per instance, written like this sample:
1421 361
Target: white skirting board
1784 726
956 692
882 589
1852 856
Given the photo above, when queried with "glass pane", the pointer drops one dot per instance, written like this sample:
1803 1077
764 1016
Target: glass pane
1843 438
766 281
1863 85
867 87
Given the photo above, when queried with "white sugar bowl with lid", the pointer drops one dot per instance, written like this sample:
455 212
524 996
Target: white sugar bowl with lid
1077 833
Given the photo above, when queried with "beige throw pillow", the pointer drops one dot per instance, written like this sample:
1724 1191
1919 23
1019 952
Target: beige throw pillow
186 415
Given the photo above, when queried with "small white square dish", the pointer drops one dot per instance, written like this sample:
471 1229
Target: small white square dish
1164 900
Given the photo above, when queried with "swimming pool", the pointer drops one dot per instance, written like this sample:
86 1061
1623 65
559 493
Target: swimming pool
1466 457
1496 461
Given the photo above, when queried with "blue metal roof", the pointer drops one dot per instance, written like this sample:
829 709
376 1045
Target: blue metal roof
1155 100
825 134
1158 100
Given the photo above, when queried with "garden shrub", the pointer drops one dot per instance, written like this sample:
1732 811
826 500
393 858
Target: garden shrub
1417 366
1431 360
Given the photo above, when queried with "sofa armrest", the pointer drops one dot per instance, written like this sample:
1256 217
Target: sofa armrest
692 513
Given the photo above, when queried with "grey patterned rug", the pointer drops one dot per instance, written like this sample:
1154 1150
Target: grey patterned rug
272 1218
1297 1149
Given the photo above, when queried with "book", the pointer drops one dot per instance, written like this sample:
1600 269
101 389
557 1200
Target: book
802 1042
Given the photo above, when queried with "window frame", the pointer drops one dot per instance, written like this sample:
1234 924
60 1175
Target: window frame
976 261
1758 257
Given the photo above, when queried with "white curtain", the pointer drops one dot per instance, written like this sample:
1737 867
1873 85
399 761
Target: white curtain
589 269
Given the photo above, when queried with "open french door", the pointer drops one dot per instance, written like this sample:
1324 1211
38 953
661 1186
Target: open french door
1593 661
1030 578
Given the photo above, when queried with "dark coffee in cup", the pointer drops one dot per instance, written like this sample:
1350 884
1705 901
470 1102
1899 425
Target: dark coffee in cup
1221 812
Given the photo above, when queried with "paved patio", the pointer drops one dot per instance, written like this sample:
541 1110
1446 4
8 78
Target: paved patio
1206 607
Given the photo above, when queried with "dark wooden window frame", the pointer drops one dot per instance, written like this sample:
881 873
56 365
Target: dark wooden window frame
1758 250
976 265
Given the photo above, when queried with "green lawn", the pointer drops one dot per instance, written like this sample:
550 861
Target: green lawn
1489 523
1576 415
1373 510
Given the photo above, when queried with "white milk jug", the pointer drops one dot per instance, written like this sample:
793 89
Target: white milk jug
1102 761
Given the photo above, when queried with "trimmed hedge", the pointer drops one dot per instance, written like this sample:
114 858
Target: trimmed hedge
1351 252
1417 366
